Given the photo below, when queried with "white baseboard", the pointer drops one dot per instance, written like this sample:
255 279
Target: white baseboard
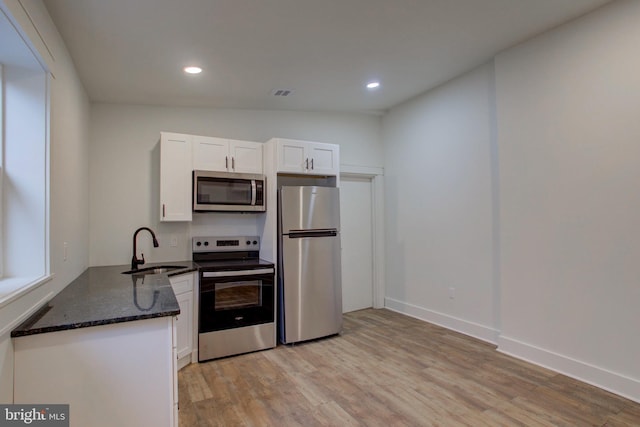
466 327
611 381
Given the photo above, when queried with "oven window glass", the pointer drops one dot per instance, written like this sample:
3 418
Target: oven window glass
230 296
224 191
232 302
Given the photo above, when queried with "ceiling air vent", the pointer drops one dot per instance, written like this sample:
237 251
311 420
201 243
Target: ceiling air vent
282 92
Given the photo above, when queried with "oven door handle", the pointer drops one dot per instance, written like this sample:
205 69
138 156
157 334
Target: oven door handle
237 273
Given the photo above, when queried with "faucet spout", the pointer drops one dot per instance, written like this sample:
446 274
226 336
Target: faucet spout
135 262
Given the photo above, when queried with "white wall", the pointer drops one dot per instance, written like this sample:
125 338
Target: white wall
439 197
568 106
69 191
528 201
124 168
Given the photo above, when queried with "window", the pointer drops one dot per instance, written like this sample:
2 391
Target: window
24 166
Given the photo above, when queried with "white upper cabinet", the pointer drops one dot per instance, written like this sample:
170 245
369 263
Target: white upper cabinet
175 177
312 158
226 155
246 156
210 153
324 158
291 156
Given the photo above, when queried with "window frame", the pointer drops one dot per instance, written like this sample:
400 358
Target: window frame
21 69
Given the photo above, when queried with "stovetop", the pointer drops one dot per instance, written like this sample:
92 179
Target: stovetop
228 253
221 245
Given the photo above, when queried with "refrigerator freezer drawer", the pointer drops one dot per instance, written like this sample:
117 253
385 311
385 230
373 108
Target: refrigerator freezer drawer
312 282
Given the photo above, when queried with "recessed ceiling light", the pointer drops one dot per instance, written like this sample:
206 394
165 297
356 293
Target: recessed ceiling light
192 70
373 85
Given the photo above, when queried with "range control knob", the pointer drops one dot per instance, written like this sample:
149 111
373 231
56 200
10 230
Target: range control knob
255 242
248 242
206 243
199 244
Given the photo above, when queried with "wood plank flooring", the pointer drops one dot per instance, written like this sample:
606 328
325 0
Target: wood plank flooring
387 369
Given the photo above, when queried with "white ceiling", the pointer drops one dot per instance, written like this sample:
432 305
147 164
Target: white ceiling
133 51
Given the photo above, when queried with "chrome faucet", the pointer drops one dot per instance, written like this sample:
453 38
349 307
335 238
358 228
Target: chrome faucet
135 262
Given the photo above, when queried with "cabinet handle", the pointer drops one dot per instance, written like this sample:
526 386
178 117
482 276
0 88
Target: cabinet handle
163 215
306 163
312 164
226 162
233 163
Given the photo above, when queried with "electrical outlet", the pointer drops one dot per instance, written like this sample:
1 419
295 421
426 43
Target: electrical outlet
452 292
174 241
65 250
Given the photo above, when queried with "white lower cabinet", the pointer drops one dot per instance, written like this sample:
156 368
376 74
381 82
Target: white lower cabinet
174 358
120 374
183 288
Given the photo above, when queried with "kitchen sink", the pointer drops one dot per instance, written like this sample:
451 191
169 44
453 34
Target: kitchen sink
155 270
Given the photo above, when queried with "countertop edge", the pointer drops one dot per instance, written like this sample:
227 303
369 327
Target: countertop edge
36 331
30 325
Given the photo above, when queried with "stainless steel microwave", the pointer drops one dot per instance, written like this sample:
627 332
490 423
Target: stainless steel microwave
228 192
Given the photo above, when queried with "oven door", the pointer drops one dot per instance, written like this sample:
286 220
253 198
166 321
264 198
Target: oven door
233 299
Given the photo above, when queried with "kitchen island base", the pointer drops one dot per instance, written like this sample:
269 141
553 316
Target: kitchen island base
121 374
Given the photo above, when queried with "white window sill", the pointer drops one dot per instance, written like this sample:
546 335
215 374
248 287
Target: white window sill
12 288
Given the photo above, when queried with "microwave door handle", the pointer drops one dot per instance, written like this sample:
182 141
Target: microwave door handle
253 192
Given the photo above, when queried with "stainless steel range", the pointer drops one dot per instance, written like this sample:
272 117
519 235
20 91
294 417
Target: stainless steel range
236 299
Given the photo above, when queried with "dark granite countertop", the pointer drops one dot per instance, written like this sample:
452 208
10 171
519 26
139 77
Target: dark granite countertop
103 295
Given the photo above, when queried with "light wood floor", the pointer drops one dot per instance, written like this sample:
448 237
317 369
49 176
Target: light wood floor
387 369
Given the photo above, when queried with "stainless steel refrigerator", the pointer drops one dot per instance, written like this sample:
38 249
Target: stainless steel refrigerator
310 273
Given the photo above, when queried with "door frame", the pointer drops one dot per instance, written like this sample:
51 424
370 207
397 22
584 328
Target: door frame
376 176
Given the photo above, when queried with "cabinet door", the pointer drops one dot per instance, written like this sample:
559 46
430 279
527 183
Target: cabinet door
183 288
211 154
246 156
175 177
324 159
184 323
291 156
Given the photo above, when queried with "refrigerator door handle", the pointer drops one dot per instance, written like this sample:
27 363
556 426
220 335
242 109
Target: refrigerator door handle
299 234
